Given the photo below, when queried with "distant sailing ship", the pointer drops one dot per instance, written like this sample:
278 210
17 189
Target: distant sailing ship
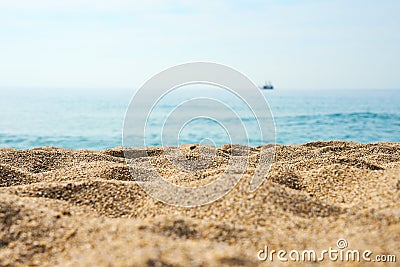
267 86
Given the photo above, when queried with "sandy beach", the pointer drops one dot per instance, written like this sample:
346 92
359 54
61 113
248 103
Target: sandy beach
61 207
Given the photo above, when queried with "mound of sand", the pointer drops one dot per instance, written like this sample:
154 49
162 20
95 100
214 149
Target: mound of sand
83 208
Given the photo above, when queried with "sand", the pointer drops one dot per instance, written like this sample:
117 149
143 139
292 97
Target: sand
62 207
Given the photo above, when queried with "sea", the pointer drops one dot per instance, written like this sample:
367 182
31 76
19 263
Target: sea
94 119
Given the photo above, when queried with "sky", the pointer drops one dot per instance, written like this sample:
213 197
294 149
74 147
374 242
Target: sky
304 44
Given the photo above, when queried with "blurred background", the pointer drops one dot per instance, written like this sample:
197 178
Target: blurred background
68 69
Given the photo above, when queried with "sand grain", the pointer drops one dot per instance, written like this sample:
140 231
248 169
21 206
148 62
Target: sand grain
82 208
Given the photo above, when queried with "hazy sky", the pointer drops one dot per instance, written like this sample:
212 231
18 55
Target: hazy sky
121 43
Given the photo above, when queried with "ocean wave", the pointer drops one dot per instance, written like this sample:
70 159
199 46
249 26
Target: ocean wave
364 115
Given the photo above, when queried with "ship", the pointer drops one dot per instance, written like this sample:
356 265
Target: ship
267 86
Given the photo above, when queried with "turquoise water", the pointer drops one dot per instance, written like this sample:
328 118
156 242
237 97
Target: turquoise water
89 119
